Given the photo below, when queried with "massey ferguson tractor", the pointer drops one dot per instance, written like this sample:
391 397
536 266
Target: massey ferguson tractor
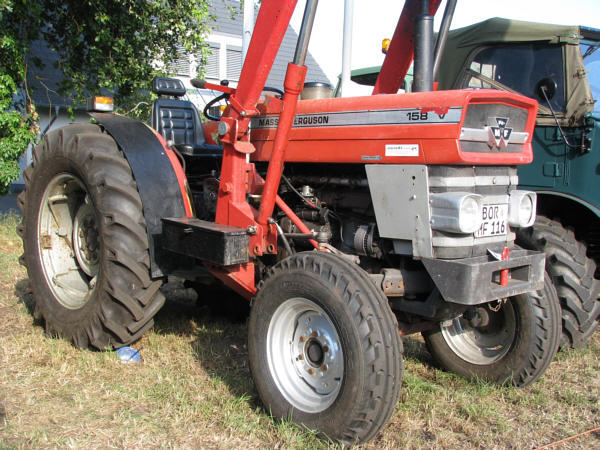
346 222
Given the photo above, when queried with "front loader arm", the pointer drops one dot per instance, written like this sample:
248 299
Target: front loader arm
271 24
238 176
401 51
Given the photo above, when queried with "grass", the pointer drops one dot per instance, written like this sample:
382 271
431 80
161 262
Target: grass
193 389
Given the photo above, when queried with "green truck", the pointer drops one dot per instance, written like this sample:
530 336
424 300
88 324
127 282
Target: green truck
560 67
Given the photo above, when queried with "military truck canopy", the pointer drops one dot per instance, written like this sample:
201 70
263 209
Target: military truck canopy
515 56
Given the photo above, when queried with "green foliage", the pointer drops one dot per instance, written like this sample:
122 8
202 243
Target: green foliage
17 115
17 130
114 46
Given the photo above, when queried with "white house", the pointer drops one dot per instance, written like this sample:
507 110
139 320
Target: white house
225 60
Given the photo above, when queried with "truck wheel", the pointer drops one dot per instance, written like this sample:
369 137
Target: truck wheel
572 273
85 241
510 343
324 347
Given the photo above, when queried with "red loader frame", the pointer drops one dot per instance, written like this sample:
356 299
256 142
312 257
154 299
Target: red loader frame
238 175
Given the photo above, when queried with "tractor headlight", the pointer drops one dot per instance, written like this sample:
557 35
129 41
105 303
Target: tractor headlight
457 212
521 209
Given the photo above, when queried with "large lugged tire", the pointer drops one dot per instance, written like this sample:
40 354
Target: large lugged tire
324 347
511 346
85 241
572 273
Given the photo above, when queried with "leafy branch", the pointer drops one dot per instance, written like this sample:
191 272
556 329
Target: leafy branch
108 46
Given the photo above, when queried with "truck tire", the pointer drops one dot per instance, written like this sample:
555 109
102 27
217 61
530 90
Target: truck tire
511 346
324 347
85 241
572 273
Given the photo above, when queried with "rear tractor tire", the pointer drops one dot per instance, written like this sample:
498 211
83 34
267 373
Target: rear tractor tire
85 241
572 273
324 347
509 343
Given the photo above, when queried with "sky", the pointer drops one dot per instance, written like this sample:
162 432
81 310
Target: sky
375 20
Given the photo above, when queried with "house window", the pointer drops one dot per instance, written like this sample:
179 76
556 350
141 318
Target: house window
225 59
211 70
181 65
234 63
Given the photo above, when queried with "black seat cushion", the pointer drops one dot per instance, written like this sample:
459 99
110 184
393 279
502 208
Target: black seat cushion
168 86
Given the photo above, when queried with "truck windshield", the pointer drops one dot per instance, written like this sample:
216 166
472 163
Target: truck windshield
591 60
519 67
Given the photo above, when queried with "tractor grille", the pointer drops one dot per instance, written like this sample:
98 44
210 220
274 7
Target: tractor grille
494 184
494 128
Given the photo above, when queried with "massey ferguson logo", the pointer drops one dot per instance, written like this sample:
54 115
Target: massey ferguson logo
500 135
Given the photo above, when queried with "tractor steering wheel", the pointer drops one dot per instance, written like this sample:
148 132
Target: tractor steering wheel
217 99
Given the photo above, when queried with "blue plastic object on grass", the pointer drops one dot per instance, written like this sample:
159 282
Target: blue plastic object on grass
128 355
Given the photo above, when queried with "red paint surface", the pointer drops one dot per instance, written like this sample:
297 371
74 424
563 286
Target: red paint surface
179 173
236 174
504 273
294 81
438 143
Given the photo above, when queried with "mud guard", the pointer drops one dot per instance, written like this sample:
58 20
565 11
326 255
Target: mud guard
157 181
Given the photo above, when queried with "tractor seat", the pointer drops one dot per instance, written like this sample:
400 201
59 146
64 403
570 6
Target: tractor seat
178 120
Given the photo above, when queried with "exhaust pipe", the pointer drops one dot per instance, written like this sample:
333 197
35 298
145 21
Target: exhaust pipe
423 66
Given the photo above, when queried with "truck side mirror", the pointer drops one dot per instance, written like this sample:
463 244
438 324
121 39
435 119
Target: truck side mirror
545 89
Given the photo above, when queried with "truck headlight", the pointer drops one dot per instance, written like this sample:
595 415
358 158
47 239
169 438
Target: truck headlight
457 212
521 208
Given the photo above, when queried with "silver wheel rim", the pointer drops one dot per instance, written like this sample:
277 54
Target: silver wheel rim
482 345
68 242
304 355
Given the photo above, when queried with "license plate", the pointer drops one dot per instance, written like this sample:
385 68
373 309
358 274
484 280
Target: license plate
493 220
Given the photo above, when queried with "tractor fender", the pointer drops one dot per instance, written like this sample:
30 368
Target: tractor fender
160 179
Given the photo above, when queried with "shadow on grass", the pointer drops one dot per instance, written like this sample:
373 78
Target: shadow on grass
22 290
415 348
217 325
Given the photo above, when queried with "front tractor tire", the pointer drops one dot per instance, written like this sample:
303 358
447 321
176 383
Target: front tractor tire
509 343
324 347
85 241
572 273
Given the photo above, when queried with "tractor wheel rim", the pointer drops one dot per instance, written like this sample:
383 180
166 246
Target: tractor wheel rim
483 345
68 242
305 356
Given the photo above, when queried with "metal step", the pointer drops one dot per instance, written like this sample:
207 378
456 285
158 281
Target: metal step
208 241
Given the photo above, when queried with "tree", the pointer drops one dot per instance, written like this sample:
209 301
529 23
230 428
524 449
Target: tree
17 114
112 45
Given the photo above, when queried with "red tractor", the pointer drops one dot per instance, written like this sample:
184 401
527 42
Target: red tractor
396 215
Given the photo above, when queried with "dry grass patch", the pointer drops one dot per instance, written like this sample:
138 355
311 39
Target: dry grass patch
193 389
